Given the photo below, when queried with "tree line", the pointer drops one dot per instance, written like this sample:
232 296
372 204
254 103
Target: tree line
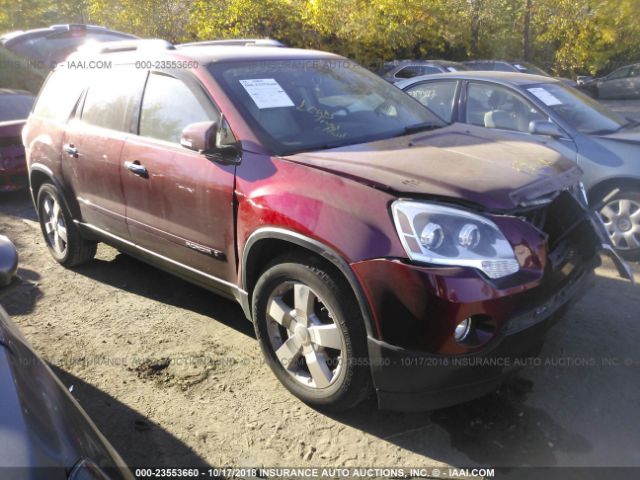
567 37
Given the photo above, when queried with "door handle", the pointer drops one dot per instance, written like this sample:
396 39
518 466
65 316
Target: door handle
136 168
71 150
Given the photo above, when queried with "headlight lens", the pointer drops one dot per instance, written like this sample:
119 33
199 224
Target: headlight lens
448 236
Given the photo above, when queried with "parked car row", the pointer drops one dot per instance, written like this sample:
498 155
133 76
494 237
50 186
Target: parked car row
622 83
15 106
402 69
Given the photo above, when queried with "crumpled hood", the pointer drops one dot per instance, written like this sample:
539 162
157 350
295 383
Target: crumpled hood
459 162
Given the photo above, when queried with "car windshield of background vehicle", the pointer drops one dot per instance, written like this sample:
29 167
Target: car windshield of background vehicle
577 109
526 67
15 107
305 105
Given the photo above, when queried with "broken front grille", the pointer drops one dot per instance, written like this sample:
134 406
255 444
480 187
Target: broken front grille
566 224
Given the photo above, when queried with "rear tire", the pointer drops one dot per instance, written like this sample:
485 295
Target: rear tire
312 333
621 217
60 233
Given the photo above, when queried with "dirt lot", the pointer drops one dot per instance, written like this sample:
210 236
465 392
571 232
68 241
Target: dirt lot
173 376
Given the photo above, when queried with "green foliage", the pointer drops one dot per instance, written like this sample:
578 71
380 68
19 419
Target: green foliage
567 36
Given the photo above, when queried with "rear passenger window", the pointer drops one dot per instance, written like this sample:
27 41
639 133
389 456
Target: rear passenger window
110 96
168 106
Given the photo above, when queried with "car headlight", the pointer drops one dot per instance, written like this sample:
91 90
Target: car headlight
448 236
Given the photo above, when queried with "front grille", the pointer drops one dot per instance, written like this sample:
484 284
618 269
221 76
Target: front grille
566 225
536 217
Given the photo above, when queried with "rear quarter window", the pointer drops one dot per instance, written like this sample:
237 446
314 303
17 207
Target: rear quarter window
111 97
59 95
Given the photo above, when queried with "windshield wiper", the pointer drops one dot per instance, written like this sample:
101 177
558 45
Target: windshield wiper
422 127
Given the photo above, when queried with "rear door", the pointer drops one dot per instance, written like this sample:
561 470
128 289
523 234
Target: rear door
179 202
93 143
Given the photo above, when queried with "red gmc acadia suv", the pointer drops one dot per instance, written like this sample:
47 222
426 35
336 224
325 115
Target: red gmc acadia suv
374 248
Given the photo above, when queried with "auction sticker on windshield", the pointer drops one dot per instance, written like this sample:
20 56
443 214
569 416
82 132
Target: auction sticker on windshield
266 93
545 96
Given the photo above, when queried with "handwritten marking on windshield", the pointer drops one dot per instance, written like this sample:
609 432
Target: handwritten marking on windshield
324 118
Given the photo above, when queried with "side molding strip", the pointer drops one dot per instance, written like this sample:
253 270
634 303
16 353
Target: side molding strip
162 257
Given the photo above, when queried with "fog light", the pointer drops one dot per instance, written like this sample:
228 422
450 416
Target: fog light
462 330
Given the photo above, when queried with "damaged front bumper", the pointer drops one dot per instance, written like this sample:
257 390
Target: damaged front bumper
416 362
607 249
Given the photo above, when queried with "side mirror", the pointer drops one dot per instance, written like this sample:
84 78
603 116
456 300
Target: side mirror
8 261
204 137
200 136
545 128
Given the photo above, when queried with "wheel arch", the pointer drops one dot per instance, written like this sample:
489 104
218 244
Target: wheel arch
269 242
39 174
601 189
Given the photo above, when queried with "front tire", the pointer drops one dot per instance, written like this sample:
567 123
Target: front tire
61 235
312 334
621 217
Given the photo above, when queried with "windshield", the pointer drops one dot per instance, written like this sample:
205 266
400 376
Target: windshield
15 107
577 109
304 105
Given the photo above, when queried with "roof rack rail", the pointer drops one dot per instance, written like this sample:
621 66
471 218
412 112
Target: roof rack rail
126 46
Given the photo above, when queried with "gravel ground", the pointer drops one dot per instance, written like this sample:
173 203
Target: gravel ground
173 376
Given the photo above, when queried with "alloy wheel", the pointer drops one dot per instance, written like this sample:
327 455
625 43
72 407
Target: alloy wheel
621 217
302 331
54 225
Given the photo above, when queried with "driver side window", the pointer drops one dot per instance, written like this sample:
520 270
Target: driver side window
620 73
494 106
168 106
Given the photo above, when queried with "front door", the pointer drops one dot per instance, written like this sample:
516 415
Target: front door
179 202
